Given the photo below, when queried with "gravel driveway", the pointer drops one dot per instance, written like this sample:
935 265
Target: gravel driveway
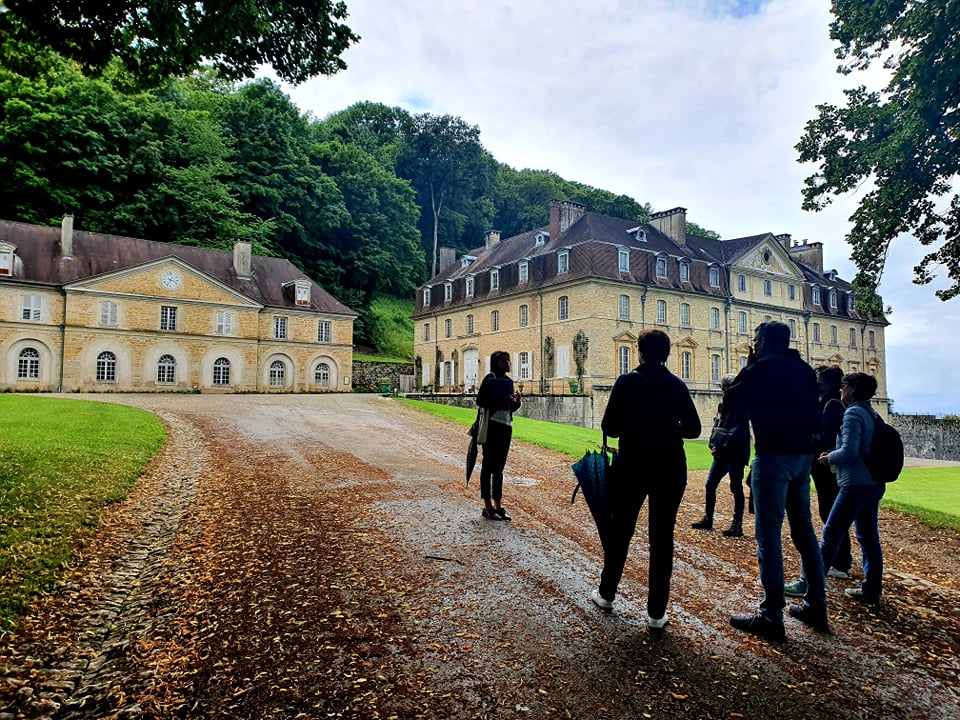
319 557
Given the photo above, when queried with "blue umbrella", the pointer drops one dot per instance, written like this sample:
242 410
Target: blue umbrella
592 473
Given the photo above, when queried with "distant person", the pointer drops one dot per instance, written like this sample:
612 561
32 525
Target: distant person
497 395
858 500
731 459
651 411
777 390
824 480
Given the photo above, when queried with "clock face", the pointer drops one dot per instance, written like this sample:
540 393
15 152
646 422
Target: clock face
170 280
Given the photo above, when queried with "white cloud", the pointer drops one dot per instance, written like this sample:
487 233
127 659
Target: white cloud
674 102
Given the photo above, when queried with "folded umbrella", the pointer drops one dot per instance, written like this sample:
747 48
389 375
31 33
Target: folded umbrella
471 456
593 479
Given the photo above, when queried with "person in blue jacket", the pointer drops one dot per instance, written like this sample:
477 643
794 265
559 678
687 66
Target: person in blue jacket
858 499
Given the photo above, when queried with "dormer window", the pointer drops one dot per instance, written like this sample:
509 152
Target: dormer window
833 299
495 279
563 262
426 297
851 299
6 259
638 234
469 287
623 260
447 292
714 277
302 292
684 272
661 267
815 295
466 260
523 272
541 238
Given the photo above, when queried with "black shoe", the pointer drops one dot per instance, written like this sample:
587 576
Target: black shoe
760 626
490 514
808 616
736 530
705 523
858 595
502 514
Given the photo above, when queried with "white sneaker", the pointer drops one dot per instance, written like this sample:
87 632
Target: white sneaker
838 574
600 601
657 623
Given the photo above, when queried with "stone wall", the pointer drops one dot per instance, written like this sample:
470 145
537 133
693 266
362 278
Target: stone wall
570 410
366 373
926 437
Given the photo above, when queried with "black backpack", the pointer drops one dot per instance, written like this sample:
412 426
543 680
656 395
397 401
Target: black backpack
885 458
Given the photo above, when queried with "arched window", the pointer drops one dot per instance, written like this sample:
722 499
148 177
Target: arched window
28 366
278 373
106 367
221 371
166 369
321 375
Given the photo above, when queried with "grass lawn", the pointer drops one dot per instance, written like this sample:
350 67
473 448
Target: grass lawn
932 494
61 462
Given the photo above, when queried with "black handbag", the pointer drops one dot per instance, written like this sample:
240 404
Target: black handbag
721 438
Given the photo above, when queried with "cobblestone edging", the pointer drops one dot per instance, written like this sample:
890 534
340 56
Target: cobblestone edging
83 680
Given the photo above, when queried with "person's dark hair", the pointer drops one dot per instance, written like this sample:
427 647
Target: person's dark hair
775 335
495 361
654 346
830 375
864 386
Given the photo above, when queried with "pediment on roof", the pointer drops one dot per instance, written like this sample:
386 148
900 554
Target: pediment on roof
874 360
768 256
687 342
625 336
836 359
167 278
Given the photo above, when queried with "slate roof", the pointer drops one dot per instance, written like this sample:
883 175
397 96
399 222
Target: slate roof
96 254
594 241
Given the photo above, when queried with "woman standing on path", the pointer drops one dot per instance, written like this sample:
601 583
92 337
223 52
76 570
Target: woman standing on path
651 411
728 460
496 395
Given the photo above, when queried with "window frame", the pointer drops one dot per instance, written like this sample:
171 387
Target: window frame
524 315
816 332
523 362
447 328
686 365
495 279
661 266
714 276
623 360
495 320
815 295
563 308
563 262
31 309
221 372
106 368
321 376
741 283
768 288
280 327
661 312
623 260
469 322
715 361
623 306
523 272
447 292
742 321
714 318
426 297
223 322
426 332
324 331
277 374
468 286
166 369
28 364
684 314
109 313
684 269
168 318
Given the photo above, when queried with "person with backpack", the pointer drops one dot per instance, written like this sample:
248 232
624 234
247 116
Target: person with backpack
730 447
858 499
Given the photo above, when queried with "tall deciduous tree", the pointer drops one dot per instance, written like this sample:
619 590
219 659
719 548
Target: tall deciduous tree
905 139
156 39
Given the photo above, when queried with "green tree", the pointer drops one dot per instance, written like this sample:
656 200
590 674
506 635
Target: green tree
378 130
156 39
450 170
904 139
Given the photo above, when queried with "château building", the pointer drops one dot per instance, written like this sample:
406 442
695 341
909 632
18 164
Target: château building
569 300
88 312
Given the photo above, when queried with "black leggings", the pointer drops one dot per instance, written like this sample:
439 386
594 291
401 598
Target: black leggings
495 451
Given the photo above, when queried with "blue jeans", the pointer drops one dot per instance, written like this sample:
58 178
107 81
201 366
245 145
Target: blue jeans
781 485
718 469
858 505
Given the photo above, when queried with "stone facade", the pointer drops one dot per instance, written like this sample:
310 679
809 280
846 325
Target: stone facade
605 280
96 313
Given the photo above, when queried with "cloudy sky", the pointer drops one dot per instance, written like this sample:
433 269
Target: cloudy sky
692 103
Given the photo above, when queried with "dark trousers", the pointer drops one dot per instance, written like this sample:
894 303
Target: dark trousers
495 451
663 481
718 469
826 484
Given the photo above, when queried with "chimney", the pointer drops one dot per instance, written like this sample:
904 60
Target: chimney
448 256
66 237
810 254
563 214
672 223
491 239
241 259
784 240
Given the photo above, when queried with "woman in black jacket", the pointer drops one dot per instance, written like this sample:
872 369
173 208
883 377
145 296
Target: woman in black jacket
730 460
651 411
497 396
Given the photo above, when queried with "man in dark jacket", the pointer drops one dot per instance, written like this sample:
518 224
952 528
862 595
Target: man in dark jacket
651 411
777 390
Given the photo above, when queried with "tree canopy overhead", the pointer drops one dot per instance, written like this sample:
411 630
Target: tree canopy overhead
905 139
156 39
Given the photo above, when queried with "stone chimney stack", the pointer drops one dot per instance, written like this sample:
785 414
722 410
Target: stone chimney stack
491 239
563 214
242 259
66 237
809 253
784 240
448 256
672 223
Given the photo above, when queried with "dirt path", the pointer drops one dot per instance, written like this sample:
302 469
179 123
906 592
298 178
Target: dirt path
319 557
